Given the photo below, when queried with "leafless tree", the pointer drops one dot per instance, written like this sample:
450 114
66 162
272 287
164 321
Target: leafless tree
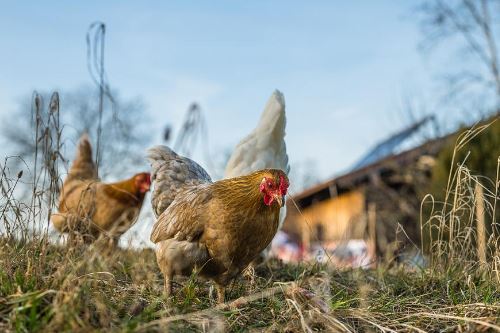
475 25
124 129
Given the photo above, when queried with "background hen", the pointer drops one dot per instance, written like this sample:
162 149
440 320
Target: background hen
218 228
264 147
91 208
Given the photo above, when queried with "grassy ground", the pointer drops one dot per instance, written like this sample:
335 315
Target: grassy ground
49 288
44 287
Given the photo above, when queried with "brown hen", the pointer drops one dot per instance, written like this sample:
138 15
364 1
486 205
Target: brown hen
216 228
91 208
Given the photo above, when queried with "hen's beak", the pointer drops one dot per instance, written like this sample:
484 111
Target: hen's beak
279 199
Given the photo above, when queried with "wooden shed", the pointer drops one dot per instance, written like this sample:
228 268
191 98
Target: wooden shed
378 201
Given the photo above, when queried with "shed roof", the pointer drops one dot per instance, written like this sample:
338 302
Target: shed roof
408 138
361 175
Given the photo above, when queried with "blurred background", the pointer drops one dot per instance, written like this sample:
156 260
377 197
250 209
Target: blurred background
375 92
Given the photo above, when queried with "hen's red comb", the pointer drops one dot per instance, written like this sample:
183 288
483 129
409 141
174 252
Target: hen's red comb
283 185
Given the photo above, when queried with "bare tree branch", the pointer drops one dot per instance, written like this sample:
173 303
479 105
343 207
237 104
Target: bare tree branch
473 21
124 135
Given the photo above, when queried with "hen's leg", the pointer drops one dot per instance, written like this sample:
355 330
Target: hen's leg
221 293
168 284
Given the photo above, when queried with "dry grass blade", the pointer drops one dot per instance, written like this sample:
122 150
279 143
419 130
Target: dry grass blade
221 307
465 319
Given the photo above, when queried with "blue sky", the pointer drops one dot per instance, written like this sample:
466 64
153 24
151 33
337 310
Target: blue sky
342 65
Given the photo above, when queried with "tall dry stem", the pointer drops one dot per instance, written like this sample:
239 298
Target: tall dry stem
481 226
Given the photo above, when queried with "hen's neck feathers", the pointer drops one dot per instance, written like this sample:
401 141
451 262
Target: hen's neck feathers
244 191
125 191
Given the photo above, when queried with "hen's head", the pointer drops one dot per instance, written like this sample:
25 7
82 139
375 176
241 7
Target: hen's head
274 186
142 182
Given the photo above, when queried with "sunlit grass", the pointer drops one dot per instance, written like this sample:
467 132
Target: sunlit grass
56 289
45 287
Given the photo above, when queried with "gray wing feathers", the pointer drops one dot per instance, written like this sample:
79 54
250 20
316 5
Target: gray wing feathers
171 173
183 219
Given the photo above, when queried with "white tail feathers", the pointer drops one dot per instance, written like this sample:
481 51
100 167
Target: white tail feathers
265 147
273 117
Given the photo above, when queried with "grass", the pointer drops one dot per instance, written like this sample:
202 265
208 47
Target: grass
46 287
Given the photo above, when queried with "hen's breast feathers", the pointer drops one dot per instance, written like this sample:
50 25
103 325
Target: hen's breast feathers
170 174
